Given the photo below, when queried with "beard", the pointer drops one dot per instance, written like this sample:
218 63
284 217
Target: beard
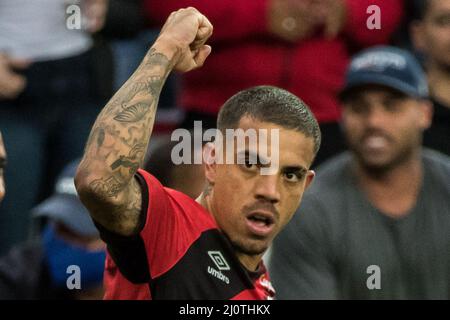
254 245
249 247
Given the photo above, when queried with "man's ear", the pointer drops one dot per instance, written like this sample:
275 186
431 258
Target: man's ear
309 178
209 159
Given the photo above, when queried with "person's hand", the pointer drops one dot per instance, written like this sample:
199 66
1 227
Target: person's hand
11 83
186 32
95 14
292 20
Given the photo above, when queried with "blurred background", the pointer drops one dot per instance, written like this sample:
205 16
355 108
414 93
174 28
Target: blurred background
57 72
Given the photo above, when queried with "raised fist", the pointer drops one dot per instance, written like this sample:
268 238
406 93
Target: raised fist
186 32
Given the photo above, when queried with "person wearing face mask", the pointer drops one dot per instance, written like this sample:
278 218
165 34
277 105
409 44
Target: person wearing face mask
68 259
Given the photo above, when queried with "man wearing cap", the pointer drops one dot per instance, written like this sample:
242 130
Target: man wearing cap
376 223
69 244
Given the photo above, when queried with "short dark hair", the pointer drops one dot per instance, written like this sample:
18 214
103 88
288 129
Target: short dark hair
270 104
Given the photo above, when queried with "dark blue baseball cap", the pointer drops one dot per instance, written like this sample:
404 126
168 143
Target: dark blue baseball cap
65 207
389 67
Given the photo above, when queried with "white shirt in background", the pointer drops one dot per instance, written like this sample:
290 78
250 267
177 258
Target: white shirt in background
37 30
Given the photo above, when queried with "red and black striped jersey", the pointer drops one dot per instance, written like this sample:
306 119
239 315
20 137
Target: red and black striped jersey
180 253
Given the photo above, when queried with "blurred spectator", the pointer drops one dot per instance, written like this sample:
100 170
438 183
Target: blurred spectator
187 178
431 35
300 45
52 83
402 38
115 26
48 99
123 23
38 270
375 225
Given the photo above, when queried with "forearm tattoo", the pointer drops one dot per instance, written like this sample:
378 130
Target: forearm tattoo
118 141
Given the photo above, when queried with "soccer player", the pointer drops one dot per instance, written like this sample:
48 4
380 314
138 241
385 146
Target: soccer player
166 243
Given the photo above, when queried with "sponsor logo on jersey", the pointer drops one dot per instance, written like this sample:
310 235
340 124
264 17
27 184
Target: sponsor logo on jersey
219 260
219 275
221 264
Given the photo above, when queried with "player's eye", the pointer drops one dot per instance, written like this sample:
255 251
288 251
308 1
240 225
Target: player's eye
292 177
249 165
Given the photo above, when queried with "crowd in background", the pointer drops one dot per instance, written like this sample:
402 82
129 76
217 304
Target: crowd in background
55 80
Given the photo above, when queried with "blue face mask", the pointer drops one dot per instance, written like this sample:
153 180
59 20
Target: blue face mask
60 254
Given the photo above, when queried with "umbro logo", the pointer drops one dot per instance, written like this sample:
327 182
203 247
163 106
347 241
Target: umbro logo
219 260
221 265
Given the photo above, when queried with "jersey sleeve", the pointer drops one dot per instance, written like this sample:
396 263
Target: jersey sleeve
172 221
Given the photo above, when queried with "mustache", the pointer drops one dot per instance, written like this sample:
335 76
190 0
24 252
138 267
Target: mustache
262 206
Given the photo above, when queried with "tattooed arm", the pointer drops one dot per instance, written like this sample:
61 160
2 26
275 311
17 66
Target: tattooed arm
118 141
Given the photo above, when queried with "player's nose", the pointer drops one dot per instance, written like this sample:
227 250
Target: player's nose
267 188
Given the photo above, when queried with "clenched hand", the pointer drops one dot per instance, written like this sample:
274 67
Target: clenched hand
186 31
